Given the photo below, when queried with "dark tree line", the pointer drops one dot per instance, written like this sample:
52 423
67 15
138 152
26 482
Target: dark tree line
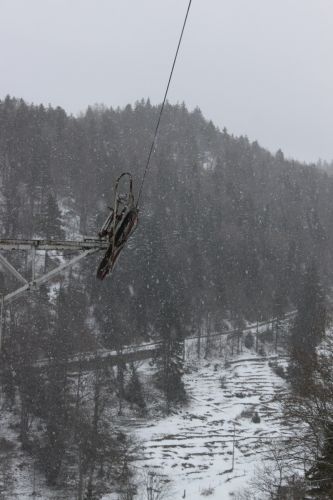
222 219
226 231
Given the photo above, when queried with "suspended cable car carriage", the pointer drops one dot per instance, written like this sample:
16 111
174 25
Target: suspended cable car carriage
118 226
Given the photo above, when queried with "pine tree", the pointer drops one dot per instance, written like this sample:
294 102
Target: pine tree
170 363
50 218
133 390
308 328
279 307
56 399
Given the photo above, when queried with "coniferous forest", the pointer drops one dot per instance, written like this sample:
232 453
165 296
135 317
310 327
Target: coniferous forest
227 232
224 224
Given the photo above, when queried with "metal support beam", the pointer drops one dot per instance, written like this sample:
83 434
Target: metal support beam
46 277
87 246
12 269
59 245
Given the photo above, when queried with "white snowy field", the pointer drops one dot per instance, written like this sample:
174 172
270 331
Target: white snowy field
193 448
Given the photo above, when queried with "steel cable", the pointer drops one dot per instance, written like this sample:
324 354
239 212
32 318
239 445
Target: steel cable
163 105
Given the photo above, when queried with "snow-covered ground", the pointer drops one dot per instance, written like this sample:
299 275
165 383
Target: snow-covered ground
193 448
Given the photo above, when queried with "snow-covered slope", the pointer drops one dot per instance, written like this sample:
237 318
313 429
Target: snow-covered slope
194 447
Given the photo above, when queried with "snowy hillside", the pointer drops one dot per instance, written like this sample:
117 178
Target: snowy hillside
192 449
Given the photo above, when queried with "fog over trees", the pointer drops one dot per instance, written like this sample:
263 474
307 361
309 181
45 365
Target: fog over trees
220 218
227 231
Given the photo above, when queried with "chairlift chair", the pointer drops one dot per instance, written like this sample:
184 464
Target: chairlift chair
118 226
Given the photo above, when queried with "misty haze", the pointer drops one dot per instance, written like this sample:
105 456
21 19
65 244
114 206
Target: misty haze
166 250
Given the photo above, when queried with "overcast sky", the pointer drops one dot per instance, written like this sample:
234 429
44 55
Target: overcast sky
261 68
